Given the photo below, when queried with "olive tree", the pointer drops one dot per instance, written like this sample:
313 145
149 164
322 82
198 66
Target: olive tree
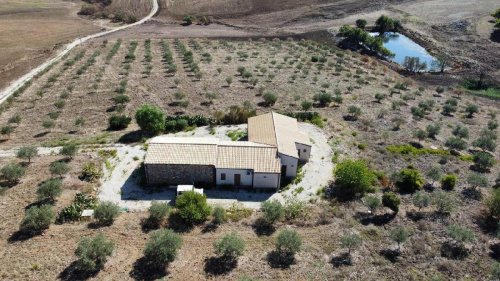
162 247
12 172
288 242
151 119
399 235
350 241
37 219
106 212
193 207
352 178
230 246
157 213
93 252
272 211
27 153
49 189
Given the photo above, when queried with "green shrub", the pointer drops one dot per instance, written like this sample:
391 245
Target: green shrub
162 247
391 200
106 212
69 150
352 178
157 212
409 180
269 99
445 202
306 105
323 99
399 235
91 172
59 168
421 199
74 211
272 211
288 241
350 241
93 252
460 234
151 119
461 132
37 219
433 130
493 203
294 208
119 122
448 182
483 160
49 189
372 202
27 153
219 215
12 172
230 246
193 207
361 23
456 143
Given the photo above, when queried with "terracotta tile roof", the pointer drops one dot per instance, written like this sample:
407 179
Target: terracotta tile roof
257 157
279 130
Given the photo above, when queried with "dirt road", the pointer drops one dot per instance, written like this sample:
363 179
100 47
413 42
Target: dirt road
27 77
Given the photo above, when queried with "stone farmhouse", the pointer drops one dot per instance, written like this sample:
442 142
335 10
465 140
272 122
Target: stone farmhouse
274 149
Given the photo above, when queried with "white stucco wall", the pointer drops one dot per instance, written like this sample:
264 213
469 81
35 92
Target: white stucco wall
305 151
246 177
290 163
263 180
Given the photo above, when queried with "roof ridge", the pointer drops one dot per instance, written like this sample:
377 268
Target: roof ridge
274 130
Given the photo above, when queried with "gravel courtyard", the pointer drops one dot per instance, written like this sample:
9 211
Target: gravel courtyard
121 185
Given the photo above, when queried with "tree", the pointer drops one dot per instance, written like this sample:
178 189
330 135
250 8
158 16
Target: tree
421 199
157 212
229 80
441 62
27 153
12 172
392 201
433 130
59 168
323 99
306 105
460 234
448 182
37 219
269 99
350 241
119 122
93 252
486 141
354 112
471 109
399 235
385 24
162 247
219 215
372 202
483 160
106 212
456 143
461 132
288 242
477 180
445 202
151 119
379 97
193 207
49 189
230 246
409 180
272 211
48 124
413 64
493 203
352 178
7 130
188 19
69 150
361 23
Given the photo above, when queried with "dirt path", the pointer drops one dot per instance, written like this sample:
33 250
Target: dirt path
27 77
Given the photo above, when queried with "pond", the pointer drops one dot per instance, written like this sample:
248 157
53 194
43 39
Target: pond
403 46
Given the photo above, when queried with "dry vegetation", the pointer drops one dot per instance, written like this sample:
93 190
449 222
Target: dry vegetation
85 84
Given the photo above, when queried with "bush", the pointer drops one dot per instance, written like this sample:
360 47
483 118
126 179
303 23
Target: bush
162 247
151 119
272 211
230 246
372 202
385 24
219 215
73 211
352 178
493 203
119 122
448 182
91 172
59 168
106 212
288 241
306 105
157 212
27 153
433 130
486 141
361 23
456 143
323 99
391 200
350 241
37 219
460 234
12 172
471 109
483 161
399 235
69 150
409 180
193 207
93 252
445 202
461 132
49 189
269 99
421 199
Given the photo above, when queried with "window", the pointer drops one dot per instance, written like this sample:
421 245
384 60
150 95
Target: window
305 150
249 173
223 177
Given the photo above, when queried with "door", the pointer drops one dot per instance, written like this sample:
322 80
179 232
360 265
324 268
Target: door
237 179
283 170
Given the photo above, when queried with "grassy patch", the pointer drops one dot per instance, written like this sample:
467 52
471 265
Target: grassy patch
237 212
406 149
237 134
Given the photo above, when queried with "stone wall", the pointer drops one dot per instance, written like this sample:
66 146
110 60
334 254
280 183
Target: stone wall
163 174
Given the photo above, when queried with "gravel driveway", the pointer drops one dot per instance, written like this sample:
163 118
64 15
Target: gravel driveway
121 185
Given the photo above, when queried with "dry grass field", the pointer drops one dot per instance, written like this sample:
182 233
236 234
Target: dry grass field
86 83
31 31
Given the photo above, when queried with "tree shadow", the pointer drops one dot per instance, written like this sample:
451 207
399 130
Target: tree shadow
39 203
454 251
495 251
487 224
39 135
20 236
219 265
73 273
378 220
495 36
344 259
177 224
147 225
210 227
97 224
416 215
281 260
143 270
472 193
262 228
391 255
